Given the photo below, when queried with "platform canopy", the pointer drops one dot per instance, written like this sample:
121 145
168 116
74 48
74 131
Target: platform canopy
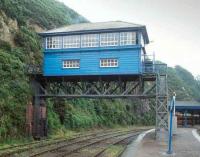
187 105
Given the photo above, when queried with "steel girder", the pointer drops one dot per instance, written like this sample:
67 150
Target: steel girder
142 88
97 89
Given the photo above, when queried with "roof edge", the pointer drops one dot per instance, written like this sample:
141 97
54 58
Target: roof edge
141 28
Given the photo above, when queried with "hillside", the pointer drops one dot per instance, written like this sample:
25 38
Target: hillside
45 13
20 45
183 83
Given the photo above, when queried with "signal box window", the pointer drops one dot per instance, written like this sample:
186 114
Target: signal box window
70 64
109 62
54 42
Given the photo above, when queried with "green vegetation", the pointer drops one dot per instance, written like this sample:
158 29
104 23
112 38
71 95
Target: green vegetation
183 83
84 113
114 151
15 91
90 113
45 13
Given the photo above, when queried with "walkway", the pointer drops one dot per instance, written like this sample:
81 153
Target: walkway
185 145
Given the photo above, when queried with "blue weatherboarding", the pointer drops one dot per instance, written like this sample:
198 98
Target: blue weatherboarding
104 48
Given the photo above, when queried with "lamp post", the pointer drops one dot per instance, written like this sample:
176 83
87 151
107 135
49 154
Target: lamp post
172 113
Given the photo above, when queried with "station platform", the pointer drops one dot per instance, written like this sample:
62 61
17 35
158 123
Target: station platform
185 144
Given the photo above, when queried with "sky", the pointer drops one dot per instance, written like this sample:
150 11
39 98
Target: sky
173 25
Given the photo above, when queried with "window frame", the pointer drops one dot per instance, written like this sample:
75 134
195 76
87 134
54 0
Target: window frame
129 39
142 42
76 41
90 40
116 61
59 42
70 67
108 39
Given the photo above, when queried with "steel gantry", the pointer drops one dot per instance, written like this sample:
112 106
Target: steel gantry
148 85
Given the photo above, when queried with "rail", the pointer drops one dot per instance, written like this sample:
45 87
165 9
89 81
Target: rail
79 142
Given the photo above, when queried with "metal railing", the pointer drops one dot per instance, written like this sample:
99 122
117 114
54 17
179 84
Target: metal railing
149 65
160 68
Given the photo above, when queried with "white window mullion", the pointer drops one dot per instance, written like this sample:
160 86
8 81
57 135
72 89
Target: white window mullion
46 43
127 38
71 64
72 41
53 42
109 62
89 40
109 39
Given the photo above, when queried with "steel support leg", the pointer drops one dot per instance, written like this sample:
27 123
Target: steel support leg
185 119
39 112
161 104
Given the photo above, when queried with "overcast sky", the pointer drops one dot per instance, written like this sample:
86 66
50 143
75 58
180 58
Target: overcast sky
173 25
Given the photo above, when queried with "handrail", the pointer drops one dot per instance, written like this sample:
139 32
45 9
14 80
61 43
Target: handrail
158 68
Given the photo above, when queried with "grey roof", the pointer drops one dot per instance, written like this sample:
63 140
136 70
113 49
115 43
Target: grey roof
187 103
93 26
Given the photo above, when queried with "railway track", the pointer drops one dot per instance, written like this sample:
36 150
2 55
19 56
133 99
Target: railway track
58 148
7 151
26 144
124 139
70 147
88 144
107 142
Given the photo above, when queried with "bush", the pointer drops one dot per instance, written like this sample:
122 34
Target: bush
86 113
53 118
46 13
14 94
5 45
